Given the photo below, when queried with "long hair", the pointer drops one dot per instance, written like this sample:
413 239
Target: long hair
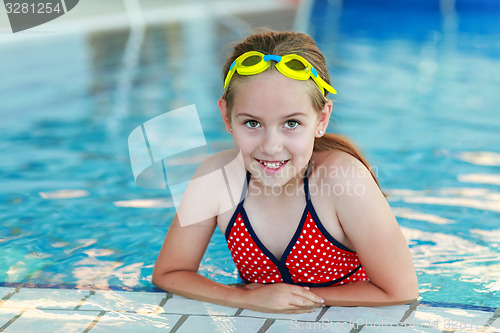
283 43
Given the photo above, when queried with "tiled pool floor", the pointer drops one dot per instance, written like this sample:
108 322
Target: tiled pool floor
61 310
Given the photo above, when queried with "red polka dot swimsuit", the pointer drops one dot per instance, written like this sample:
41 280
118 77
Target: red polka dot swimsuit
312 258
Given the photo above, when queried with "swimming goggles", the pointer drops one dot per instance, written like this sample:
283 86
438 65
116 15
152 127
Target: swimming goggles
291 65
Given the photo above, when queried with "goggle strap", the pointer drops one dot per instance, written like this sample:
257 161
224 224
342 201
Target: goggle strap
228 78
325 85
260 67
276 58
232 65
314 72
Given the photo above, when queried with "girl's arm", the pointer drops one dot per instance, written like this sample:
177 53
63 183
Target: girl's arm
185 244
176 271
370 225
178 262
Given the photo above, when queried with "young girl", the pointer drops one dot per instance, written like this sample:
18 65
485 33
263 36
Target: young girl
304 218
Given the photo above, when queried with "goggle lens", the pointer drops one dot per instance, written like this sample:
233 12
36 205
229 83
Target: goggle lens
251 61
295 64
290 65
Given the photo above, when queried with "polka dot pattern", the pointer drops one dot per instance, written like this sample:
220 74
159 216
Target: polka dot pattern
252 263
313 258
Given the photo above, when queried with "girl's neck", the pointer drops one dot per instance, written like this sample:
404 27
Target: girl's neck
293 188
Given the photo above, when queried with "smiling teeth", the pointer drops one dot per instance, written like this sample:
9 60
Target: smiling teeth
272 165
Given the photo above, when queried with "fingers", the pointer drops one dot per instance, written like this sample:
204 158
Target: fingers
303 303
307 294
296 311
283 298
306 308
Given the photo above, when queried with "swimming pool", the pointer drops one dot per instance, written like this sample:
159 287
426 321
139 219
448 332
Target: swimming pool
420 99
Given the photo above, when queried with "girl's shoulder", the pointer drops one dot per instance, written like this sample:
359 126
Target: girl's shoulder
225 167
224 160
210 189
337 165
345 179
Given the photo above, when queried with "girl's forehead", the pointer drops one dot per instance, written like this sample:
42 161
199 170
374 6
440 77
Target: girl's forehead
271 95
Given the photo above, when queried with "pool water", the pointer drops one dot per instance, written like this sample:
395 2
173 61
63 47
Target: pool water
422 101
417 92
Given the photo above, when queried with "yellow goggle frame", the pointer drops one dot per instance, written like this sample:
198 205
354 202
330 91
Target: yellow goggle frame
290 65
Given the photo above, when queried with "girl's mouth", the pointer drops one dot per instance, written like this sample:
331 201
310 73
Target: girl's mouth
272 166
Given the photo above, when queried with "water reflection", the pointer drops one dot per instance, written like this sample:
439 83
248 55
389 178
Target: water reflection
490 236
480 178
419 216
441 255
145 203
93 271
481 158
64 194
478 198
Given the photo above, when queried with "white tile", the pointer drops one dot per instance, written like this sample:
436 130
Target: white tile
449 318
124 301
37 321
216 324
7 314
302 316
294 326
4 291
124 322
383 315
496 324
31 298
485 330
182 305
399 329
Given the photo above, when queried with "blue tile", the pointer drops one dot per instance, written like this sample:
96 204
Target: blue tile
217 324
132 322
37 321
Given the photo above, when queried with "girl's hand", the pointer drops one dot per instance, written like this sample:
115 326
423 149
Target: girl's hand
253 285
281 298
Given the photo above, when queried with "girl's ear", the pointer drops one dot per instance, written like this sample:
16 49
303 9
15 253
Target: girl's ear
225 115
324 118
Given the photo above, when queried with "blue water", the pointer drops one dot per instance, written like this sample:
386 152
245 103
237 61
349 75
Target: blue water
417 92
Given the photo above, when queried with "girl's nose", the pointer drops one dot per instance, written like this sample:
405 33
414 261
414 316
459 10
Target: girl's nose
271 143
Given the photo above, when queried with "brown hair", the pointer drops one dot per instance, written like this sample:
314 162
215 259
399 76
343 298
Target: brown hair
282 43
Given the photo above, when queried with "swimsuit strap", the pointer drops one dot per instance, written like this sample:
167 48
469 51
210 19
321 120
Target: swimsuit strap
306 183
245 187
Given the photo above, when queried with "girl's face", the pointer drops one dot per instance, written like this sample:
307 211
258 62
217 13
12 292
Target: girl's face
274 125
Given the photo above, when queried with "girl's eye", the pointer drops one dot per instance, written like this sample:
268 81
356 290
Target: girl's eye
291 124
252 123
